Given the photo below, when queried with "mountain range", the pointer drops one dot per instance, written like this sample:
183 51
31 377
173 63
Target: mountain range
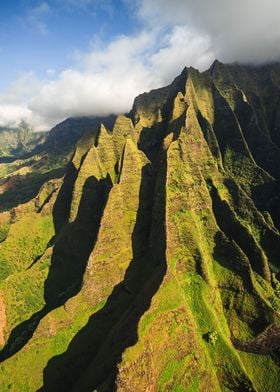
141 252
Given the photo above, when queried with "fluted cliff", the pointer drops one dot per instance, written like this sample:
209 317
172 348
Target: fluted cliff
150 262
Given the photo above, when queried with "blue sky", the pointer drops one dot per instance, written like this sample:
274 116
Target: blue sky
38 36
62 58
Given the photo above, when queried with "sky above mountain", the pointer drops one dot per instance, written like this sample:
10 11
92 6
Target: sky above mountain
62 58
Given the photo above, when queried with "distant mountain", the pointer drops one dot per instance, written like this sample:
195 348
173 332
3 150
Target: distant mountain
30 158
15 142
142 252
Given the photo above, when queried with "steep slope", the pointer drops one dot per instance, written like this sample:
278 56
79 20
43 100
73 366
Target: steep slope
152 263
36 158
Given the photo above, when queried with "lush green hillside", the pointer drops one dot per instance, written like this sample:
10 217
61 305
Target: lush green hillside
150 261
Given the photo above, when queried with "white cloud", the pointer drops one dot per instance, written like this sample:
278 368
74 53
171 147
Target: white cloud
108 79
35 17
240 30
174 34
19 91
14 103
182 48
50 72
13 115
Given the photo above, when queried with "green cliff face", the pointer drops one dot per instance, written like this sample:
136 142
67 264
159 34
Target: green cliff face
149 262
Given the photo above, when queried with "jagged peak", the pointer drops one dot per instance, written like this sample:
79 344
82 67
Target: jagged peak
122 120
217 64
102 135
184 73
181 80
155 106
123 128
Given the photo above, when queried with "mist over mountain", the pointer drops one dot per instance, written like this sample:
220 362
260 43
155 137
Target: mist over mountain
120 49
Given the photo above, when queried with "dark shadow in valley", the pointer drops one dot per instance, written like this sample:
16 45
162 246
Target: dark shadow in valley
267 342
8 159
75 241
236 231
235 250
266 198
23 188
269 239
210 137
73 244
227 254
91 359
151 138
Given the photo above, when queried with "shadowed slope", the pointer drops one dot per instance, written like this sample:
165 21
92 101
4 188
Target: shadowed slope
91 359
69 257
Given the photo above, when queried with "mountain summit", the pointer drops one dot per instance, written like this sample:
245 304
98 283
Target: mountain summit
141 252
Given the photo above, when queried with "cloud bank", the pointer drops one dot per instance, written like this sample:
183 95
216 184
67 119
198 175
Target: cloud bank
239 30
173 34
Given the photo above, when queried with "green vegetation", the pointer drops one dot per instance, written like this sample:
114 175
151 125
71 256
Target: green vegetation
212 337
147 257
4 230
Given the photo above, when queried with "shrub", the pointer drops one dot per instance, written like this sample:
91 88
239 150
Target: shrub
212 337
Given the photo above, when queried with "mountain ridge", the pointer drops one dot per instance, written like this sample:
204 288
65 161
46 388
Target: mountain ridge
151 262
